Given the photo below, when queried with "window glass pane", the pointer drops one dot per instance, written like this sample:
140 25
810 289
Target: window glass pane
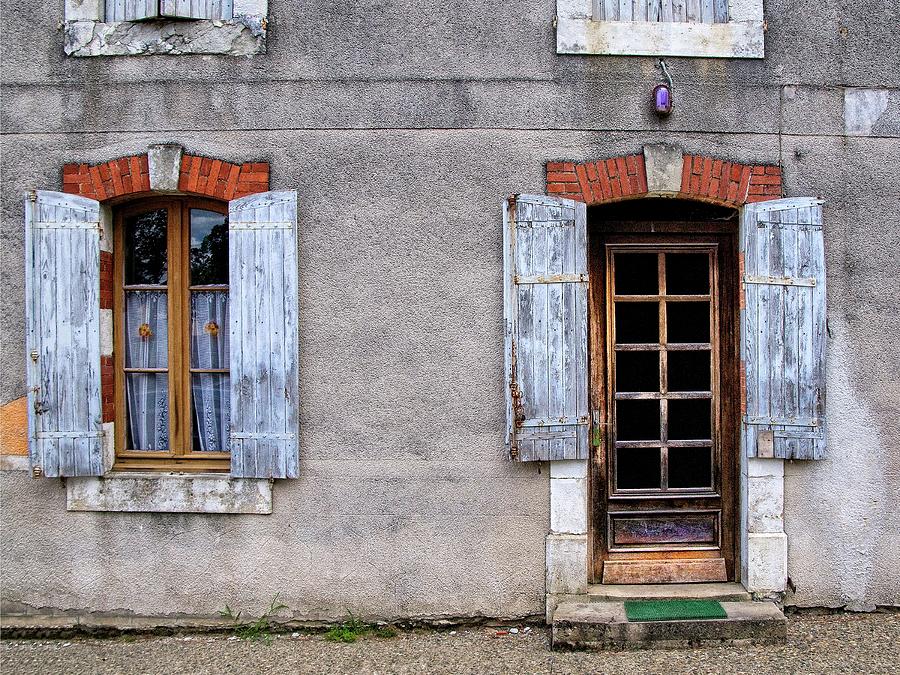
637 420
637 322
687 273
637 371
209 329
690 467
210 412
687 322
209 248
636 274
146 329
637 468
145 248
689 419
689 371
147 403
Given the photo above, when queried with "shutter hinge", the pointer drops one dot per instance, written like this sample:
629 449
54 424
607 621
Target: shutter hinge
32 195
34 355
37 472
514 451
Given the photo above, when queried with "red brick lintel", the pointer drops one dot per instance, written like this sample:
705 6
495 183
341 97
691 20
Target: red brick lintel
198 175
702 178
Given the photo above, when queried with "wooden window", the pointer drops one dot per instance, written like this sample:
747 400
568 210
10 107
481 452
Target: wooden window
664 341
171 335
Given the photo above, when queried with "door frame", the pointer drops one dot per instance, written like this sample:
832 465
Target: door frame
725 235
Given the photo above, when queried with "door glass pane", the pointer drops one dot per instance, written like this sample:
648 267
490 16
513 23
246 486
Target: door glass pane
209 248
145 248
637 371
689 370
146 329
690 467
637 468
210 412
636 274
637 322
209 329
637 420
687 273
147 403
687 322
689 419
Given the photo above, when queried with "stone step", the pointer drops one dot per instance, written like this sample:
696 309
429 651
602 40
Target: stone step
604 625
723 592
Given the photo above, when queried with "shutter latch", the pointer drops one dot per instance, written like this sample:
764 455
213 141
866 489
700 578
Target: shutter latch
39 407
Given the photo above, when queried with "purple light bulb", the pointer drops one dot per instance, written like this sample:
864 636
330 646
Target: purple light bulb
662 99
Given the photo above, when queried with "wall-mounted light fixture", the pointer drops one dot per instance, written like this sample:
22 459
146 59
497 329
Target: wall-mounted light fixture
662 93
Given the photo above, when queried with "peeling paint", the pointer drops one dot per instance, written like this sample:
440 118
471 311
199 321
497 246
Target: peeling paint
241 36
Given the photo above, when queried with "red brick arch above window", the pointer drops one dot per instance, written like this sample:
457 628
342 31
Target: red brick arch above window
695 177
130 176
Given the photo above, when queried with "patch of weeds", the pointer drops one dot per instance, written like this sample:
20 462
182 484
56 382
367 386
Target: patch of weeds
258 630
352 629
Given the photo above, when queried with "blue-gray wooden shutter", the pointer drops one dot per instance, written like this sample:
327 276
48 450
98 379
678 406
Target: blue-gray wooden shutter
545 309
669 11
131 10
262 245
197 9
62 316
783 330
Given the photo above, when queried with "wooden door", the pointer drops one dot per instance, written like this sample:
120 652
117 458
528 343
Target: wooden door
664 364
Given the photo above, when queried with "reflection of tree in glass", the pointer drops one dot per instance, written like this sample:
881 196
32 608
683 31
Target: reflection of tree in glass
209 261
146 248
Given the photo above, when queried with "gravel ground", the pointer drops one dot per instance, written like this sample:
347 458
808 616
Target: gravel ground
841 643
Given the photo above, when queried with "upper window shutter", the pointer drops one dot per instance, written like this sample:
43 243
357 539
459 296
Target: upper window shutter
131 10
262 245
62 315
197 9
783 329
545 307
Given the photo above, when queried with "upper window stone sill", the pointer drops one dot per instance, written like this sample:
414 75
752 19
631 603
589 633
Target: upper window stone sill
625 38
243 35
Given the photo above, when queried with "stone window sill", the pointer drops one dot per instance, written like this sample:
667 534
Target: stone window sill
621 38
169 493
241 36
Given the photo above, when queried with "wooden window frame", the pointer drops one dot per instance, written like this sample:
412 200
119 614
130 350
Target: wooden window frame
663 298
180 456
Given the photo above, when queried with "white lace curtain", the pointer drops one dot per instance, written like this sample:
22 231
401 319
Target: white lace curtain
210 403
146 346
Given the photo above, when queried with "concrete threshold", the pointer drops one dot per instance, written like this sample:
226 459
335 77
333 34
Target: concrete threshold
603 625
723 592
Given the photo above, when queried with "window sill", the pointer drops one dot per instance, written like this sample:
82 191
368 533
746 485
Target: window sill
169 493
736 39
241 36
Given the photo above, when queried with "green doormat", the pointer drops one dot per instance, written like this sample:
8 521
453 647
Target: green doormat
673 610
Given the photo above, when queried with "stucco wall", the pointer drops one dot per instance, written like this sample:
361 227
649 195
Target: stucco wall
401 125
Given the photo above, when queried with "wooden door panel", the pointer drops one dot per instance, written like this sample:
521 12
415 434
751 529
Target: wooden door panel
662 356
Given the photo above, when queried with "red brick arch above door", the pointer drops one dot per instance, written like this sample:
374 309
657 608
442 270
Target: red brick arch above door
165 168
663 170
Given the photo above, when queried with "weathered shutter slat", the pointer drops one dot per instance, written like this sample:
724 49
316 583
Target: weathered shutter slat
131 10
197 9
783 328
264 355
545 265
62 279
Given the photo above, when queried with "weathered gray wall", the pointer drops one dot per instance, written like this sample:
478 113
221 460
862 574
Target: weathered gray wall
401 125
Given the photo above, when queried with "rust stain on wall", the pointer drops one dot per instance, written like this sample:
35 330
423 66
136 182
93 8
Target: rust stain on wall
14 428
